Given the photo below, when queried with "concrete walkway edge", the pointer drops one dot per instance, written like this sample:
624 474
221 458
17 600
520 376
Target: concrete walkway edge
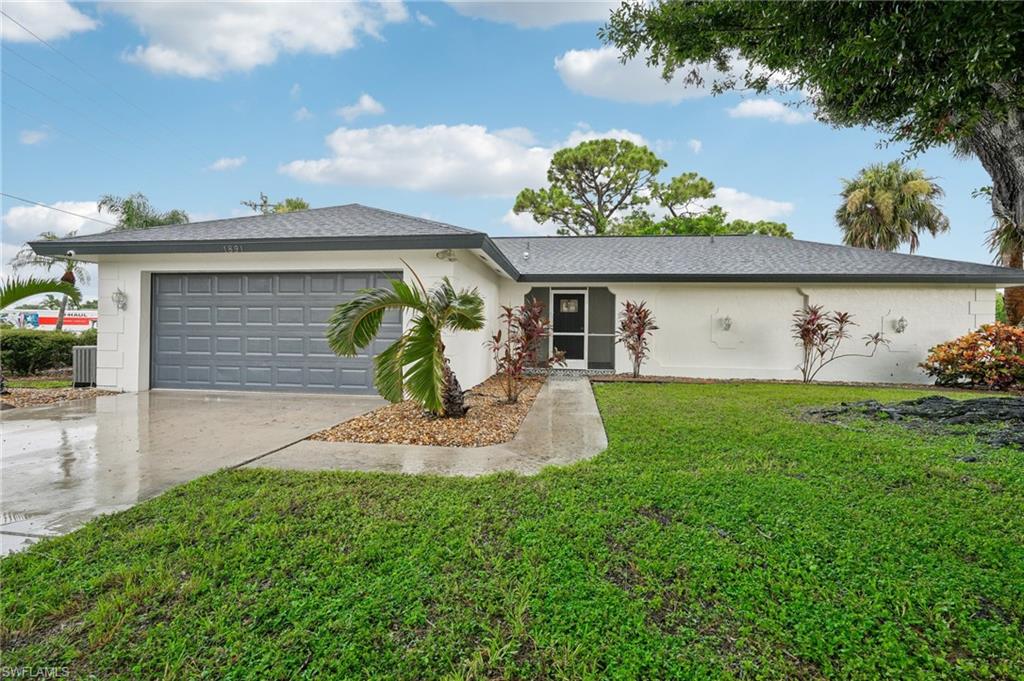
563 426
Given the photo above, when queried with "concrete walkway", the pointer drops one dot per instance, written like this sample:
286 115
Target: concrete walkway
563 426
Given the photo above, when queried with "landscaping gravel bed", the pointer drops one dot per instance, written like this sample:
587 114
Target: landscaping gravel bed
490 421
34 397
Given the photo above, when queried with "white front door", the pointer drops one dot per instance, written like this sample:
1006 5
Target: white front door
569 326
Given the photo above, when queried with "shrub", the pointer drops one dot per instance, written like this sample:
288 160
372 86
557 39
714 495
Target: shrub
992 356
518 345
636 322
819 335
27 351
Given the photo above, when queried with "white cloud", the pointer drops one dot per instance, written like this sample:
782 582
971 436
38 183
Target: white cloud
50 21
33 136
695 145
25 223
227 163
536 14
302 114
295 91
770 109
462 160
424 19
525 224
209 39
743 206
364 106
599 73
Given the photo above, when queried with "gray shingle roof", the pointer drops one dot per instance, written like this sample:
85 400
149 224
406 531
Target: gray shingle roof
351 220
728 258
555 259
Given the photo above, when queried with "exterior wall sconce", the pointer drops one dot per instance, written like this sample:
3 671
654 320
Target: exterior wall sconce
726 323
900 325
120 299
446 254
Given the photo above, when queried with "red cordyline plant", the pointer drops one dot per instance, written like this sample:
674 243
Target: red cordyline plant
820 333
518 345
636 322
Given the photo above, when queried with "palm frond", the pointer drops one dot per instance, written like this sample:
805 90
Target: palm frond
355 323
424 373
14 289
388 371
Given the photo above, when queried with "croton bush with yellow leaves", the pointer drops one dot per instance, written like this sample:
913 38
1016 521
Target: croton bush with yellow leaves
992 356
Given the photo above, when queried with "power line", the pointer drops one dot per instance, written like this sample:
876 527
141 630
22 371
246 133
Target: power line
41 121
177 137
67 106
59 210
60 80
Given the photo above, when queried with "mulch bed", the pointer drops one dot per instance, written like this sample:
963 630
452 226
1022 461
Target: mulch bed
34 397
998 421
490 420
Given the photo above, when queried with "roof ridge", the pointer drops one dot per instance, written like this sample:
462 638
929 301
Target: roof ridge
417 218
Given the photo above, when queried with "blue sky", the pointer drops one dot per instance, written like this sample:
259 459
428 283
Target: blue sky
433 109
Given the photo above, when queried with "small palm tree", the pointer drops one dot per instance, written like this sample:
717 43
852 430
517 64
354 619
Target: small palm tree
887 206
136 212
13 289
1006 240
415 363
74 271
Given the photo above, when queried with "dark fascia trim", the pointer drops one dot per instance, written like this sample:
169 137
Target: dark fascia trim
481 241
470 240
360 243
991 279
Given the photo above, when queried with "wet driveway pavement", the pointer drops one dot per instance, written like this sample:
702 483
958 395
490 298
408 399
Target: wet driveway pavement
64 464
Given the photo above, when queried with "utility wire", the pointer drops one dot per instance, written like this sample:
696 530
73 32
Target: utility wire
41 121
178 138
59 210
60 80
70 108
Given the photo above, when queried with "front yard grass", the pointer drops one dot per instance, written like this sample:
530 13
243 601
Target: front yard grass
719 535
39 383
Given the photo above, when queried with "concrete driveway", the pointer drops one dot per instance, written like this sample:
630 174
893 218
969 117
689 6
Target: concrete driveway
65 464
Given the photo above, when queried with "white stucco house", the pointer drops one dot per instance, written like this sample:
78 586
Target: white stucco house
241 304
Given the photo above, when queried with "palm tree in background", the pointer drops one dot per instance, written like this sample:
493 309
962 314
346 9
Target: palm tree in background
887 206
136 212
72 271
1006 240
415 363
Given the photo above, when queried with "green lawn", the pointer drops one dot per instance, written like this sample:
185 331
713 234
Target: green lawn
718 536
38 383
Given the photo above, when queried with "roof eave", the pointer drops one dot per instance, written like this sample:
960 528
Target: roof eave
995 280
368 243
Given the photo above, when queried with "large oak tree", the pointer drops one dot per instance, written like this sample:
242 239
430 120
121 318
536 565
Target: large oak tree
925 73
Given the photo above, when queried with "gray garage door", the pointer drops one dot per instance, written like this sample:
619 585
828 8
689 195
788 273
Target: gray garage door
259 331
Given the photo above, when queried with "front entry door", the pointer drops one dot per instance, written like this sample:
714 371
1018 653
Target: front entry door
569 327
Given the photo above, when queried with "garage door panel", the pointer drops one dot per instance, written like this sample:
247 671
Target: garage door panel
261 331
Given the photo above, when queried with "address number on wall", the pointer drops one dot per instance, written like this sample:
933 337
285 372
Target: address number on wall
232 248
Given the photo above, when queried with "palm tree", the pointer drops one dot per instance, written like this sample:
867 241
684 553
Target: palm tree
74 271
887 206
415 363
136 212
1006 240
13 289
